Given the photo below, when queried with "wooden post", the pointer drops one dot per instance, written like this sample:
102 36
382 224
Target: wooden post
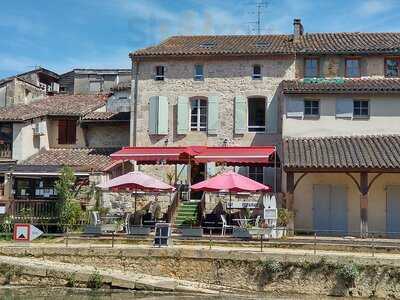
290 197
364 204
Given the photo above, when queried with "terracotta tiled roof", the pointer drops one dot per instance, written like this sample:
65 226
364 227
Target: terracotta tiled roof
308 43
107 116
62 105
341 86
220 44
79 159
351 152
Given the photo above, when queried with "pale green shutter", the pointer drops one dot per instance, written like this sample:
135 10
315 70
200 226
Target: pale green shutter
240 115
211 169
162 126
153 114
183 115
212 115
272 115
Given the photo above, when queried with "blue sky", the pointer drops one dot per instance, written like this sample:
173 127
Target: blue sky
65 34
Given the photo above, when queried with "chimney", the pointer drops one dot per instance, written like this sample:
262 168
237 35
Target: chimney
297 28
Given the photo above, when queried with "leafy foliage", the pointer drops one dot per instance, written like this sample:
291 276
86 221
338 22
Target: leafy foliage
285 216
95 280
348 273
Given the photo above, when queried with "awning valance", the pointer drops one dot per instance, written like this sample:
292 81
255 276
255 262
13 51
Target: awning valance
199 154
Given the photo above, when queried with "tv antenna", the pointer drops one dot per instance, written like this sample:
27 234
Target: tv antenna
260 5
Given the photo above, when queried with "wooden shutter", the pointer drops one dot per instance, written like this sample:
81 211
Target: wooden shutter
294 107
162 126
71 132
62 131
153 114
212 115
344 108
183 115
240 115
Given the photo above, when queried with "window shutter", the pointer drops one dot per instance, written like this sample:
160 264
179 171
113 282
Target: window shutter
153 114
210 169
62 130
294 107
3 96
162 126
243 170
272 116
71 131
183 115
212 115
344 108
240 115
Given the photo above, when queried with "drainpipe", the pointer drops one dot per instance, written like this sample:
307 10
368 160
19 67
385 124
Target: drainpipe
134 103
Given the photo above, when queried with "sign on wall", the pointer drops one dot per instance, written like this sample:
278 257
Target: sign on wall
26 232
242 204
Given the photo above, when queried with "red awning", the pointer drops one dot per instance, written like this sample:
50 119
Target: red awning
152 155
236 155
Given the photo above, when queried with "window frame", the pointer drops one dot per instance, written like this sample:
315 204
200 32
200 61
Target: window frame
311 115
346 74
255 173
305 66
255 76
395 58
264 128
198 77
158 77
198 126
361 116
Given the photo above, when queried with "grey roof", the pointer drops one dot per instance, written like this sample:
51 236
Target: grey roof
344 152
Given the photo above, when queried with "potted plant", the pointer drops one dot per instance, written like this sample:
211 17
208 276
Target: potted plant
135 227
189 230
285 216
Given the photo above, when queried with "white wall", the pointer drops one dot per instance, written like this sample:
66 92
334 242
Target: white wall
384 118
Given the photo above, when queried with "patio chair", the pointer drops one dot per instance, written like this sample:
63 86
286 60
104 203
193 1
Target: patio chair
225 225
257 222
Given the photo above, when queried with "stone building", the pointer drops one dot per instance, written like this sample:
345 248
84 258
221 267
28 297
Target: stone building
27 87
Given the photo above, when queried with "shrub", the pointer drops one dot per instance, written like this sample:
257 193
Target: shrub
95 280
272 267
348 273
71 280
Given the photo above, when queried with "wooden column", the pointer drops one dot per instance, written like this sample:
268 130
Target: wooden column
290 198
364 204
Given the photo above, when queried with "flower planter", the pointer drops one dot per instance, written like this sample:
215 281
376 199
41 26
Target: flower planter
139 230
192 232
241 233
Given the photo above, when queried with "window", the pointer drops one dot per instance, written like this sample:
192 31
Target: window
352 67
311 107
256 114
160 73
392 67
256 72
311 66
256 173
198 72
67 132
361 108
198 116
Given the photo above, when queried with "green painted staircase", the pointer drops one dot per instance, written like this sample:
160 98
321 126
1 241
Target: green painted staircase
186 210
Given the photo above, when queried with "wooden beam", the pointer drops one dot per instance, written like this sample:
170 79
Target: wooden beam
364 204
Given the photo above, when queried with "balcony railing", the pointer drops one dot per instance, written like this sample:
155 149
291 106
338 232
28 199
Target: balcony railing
5 150
34 209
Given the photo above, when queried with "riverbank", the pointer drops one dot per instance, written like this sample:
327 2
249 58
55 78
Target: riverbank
278 271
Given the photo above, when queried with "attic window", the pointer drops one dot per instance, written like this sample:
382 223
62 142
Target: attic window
262 44
208 44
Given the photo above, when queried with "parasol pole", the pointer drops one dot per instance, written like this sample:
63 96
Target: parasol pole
135 198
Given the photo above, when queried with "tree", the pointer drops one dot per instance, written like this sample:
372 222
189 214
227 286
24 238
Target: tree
70 209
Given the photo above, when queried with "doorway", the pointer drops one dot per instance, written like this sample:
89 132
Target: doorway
197 174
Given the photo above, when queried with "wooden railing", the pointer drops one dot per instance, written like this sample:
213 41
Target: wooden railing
34 209
5 150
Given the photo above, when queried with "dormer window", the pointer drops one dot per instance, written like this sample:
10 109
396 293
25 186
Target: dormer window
261 44
352 67
160 73
208 45
257 72
392 67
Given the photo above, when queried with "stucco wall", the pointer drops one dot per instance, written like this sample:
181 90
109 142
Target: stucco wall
384 118
107 135
334 66
225 78
303 200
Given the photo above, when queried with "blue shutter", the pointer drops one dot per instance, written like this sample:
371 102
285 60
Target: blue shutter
240 115
153 114
162 126
183 115
294 107
212 115
344 108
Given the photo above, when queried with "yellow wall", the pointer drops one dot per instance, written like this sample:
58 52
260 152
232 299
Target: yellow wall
303 200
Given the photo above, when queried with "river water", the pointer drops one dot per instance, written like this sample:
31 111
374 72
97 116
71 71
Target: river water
28 293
